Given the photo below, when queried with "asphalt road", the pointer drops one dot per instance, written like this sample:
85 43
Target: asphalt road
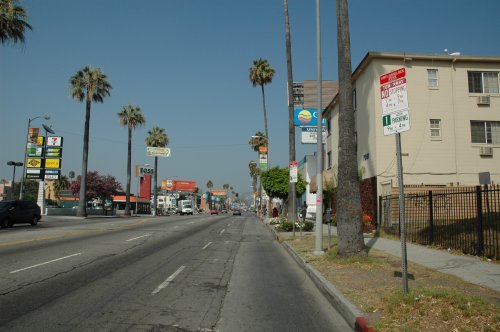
175 273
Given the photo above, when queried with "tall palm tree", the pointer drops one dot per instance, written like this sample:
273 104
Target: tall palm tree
349 223
257 140
88 85
254 172
12 22
131 117
261 74
156 138
291 200
210 185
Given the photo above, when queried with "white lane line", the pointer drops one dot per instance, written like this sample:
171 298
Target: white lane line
52 261
222 231
135 238
206 246
168 280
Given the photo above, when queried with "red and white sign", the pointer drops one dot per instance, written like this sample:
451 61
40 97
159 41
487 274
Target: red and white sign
294 171
393 75
54 141
393 91
394 97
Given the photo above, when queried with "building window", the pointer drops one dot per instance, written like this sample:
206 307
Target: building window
483 82
328 127
485 132
329 159
435 125
432 78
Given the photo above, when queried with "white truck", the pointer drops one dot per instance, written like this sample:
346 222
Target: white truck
184 206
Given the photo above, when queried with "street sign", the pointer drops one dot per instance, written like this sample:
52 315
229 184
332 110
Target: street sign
310 135
294 171
396 122
263 161
394 98
153 151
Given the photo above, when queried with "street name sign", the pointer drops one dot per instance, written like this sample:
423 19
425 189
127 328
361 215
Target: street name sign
153 151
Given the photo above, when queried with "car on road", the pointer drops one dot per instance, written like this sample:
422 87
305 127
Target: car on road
213 211
236 212
19 212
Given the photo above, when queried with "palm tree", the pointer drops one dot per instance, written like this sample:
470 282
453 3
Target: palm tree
60 184
349 223
131 117
210 185
156 138
258 139
90 85
12 22
71 175
291 200
261 74
254 173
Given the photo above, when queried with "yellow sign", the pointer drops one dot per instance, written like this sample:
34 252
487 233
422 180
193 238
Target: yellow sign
52 163
34 163
40 140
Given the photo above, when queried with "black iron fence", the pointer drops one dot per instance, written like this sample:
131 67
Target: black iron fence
465 218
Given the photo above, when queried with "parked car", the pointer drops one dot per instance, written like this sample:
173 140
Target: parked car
19 212
213 211
236 212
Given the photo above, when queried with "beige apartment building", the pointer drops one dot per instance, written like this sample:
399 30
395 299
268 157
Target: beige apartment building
454 108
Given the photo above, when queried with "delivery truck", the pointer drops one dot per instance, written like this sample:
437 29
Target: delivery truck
184 206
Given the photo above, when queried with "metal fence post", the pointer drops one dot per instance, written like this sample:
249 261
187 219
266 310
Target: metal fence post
431 219
480 238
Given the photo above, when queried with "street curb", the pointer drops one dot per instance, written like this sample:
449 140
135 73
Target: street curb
348 310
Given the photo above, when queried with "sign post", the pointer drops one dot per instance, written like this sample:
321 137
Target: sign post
396 119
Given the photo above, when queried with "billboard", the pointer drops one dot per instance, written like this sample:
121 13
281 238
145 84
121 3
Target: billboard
187 186
218 192
55 141
167 184
141 170
34 163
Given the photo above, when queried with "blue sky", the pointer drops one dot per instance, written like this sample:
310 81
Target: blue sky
186 62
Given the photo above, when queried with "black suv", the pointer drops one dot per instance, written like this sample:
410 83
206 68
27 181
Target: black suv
19 212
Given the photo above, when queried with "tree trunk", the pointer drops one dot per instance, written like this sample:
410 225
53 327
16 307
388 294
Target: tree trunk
129 170
265 122
292 199
82 204
349 223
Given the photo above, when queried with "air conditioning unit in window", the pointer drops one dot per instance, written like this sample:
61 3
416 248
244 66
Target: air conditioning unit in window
483 100
486 151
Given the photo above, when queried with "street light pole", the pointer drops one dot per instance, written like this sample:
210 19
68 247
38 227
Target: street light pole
14 164
46 117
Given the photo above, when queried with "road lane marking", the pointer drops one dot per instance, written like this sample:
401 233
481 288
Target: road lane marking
168 280
222 231
135 238
52 261
206 246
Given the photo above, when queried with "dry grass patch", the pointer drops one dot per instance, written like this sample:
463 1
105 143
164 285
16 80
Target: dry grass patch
436 301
